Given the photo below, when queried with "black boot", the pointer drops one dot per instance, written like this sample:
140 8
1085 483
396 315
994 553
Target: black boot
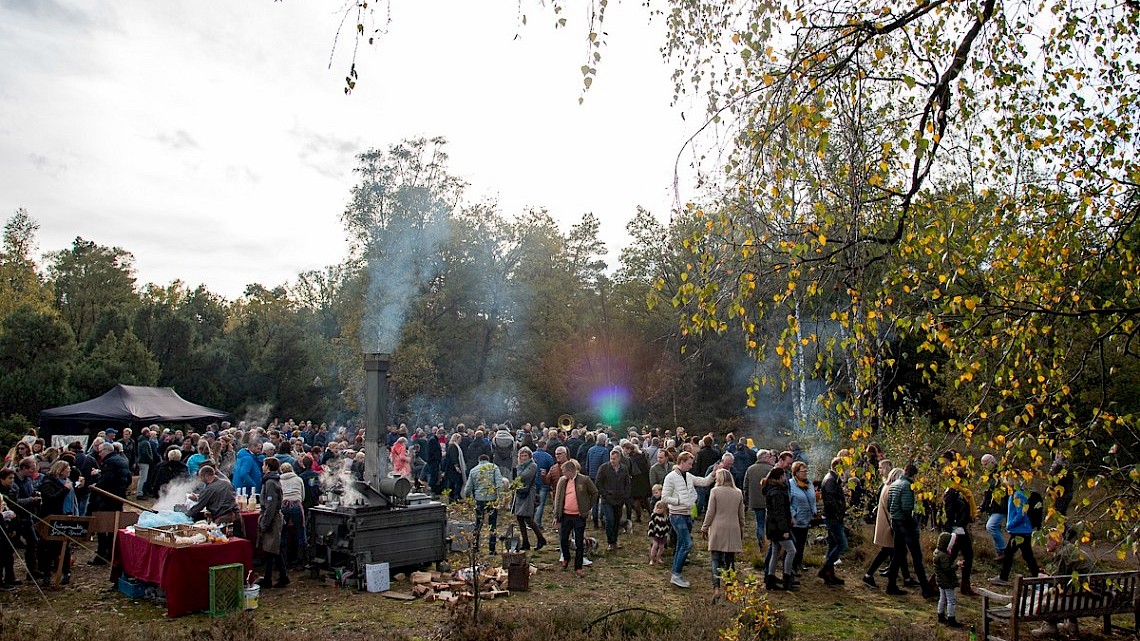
790 583
832 579
893 590
772 583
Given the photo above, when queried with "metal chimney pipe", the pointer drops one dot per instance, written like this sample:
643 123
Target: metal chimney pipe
376 461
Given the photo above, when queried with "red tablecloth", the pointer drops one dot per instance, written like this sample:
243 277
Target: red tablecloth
249 522
184 573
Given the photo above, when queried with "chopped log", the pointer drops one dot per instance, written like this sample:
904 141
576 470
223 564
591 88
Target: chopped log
400 577
435 585
420 589
421 577
399 596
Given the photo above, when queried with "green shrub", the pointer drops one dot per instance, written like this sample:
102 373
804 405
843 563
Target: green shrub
12 428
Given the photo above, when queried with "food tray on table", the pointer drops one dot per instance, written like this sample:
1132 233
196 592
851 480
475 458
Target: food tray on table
174 536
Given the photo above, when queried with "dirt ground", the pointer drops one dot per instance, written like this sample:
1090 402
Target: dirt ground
620 579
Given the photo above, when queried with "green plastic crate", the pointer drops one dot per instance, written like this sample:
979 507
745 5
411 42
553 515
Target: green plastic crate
227 589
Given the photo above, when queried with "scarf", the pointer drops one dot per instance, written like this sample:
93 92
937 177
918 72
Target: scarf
803 485
968 496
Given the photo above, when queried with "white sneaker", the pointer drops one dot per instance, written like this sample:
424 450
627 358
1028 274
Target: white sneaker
586 562
679 581
997 580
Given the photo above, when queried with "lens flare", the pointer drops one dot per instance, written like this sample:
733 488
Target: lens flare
610 403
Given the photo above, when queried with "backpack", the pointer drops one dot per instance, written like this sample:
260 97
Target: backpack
1036 510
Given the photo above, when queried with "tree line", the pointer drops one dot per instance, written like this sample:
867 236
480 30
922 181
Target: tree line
487 316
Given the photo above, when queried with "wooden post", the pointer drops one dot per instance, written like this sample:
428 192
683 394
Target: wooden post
58 576
1014 606
123 500
114 541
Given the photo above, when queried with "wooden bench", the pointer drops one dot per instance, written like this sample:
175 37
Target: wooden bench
1056 598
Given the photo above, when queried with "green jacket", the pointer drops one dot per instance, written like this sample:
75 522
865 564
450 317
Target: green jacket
945 572
900 500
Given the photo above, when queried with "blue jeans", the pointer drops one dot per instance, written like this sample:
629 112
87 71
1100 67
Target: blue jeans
293 513
543 494
836 541
761 515
492 512
683 526
721 561
993 526
611 516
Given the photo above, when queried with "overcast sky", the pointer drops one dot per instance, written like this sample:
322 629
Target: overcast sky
212 140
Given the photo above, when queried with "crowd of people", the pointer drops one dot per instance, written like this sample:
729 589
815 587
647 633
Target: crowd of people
556 480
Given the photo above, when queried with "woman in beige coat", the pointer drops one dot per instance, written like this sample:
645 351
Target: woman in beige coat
884 536
724 526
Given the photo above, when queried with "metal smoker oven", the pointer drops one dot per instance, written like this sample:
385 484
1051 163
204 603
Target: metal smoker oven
385 528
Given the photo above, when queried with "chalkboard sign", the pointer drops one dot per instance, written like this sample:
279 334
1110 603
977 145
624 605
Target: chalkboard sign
62 527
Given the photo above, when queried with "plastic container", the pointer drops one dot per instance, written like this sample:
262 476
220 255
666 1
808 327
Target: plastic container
252 596
131 588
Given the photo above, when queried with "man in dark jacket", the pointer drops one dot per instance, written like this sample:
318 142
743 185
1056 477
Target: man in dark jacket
433 457
27 504
573 444
743 458
834 511
84 464
754 493
478 447
708 455
900 507
613 483
114 477
167 471
145 455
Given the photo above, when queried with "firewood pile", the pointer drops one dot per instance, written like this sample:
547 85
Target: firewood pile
449 588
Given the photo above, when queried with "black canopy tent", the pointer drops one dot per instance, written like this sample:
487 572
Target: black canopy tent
126 406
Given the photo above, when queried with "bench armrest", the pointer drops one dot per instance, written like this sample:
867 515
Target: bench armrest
1000 598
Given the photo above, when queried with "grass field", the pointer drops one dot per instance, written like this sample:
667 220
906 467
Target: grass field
558 604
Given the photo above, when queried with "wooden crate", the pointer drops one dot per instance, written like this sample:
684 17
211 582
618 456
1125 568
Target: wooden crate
165 534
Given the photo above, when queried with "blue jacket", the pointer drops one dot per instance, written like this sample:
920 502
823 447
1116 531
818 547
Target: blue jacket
285 457
484 482
544 461
596 457
1017 520
803 504
247 473
194 462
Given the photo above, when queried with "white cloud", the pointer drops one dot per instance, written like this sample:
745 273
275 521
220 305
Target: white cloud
212 141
